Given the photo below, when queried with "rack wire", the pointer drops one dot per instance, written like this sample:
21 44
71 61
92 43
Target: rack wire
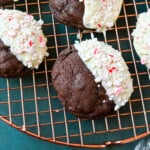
31 105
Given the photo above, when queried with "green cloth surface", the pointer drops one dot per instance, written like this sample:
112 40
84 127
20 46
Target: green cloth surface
12 139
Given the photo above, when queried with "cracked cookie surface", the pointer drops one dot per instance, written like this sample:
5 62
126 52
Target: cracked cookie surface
76 88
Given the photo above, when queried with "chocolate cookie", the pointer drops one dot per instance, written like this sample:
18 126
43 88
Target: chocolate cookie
68 12
91 79
9 65
86 14
77 90
6 1
22 42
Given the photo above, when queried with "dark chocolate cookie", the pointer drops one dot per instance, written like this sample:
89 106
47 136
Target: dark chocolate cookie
68 12
76 88
9 65
5 1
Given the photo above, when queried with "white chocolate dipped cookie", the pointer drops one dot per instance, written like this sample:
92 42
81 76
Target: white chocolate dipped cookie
91 79
141 38
23 37
109 68
101 14
87 14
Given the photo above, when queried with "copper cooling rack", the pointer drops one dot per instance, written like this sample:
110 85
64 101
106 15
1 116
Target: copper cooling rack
31 105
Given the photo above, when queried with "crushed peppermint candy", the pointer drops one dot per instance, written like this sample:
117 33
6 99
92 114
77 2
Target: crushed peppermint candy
23 34
109 68
101 14
141 38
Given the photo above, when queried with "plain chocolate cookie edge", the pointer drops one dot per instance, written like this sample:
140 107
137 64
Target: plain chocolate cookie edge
77 89
2 2
10 67
69 12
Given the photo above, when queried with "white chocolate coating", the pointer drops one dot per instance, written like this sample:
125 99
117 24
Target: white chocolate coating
109 68
141 38
101 14
24 36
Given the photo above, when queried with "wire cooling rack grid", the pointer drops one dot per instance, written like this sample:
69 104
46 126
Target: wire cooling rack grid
31 104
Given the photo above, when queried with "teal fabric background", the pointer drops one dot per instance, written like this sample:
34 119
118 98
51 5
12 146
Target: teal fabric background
12 139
